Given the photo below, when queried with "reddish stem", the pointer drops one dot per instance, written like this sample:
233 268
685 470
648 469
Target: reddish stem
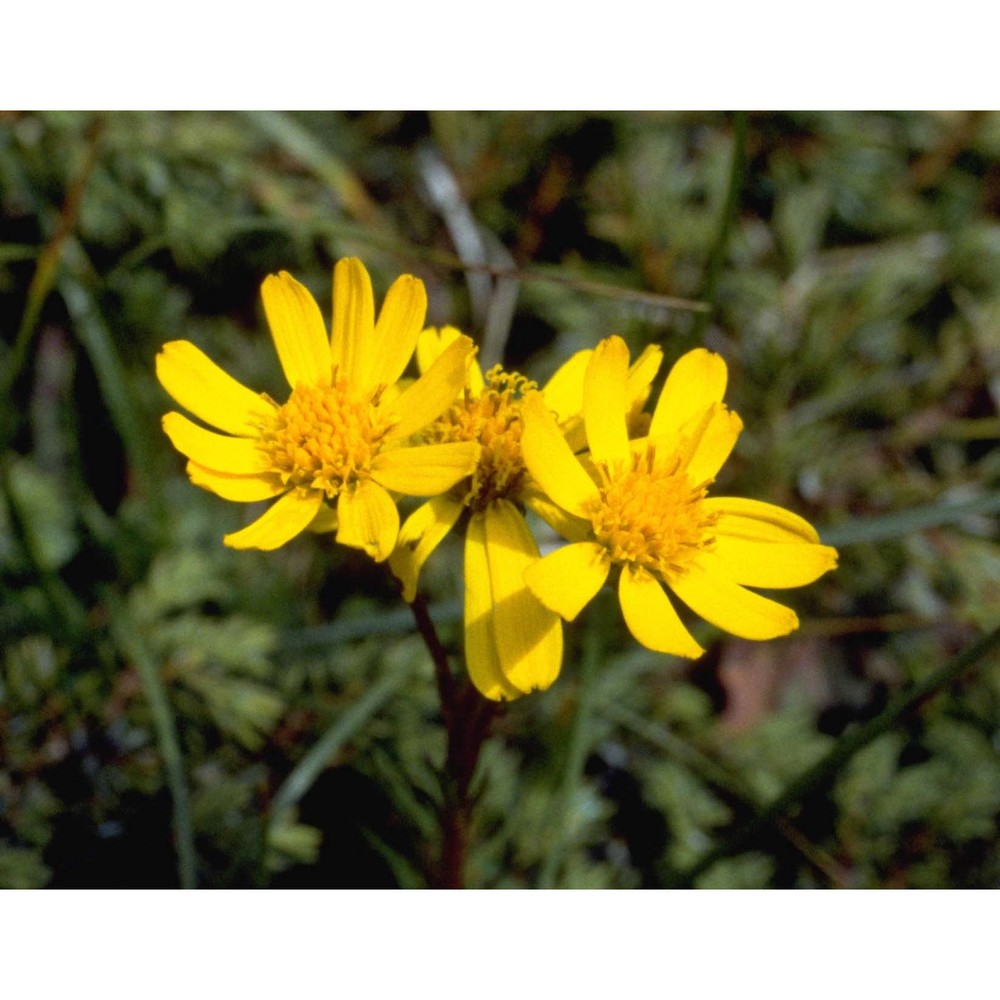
467 718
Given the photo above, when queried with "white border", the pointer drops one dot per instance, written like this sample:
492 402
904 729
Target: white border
520 54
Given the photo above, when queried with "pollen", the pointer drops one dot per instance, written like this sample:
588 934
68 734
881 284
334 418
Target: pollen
324 437
493 418
651 515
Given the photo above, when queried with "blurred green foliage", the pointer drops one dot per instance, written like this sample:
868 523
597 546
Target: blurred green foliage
174 712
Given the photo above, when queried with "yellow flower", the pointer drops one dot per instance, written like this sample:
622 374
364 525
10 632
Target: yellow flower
513 644
343 439
643 505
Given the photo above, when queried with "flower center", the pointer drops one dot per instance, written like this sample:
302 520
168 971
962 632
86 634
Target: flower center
652 517
493 418
324 437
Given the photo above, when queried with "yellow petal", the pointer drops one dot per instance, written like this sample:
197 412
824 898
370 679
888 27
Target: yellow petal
325 521
641 374
426 399
236 455
425 469
711 442
604 402
549 460
243 489
202 387
564 391
481 657
399 324
367 519
297 329
773 564
564 397
566 580
575 434
353 329
697 380
528 636
651 617
709 590
573 529
431 345
419 536
755 520
280 523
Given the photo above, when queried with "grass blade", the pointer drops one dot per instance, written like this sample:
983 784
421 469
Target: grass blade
305 773
99 344
905 522
579 744
165 724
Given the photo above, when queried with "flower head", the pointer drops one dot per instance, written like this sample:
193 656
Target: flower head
333 451
643 505
513 643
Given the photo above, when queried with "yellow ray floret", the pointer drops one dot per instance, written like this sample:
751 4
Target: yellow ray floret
643 507
513 642
343 439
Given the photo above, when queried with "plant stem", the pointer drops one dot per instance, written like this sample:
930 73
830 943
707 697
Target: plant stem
439 656
467 718
466 736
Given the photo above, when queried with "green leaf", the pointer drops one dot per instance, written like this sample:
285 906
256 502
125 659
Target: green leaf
317 759
290 843
45 512
21 868
904 522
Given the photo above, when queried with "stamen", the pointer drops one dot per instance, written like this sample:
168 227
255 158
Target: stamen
325 437
493 418
651 516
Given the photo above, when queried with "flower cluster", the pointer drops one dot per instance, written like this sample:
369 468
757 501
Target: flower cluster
641 504
626 490
343 440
